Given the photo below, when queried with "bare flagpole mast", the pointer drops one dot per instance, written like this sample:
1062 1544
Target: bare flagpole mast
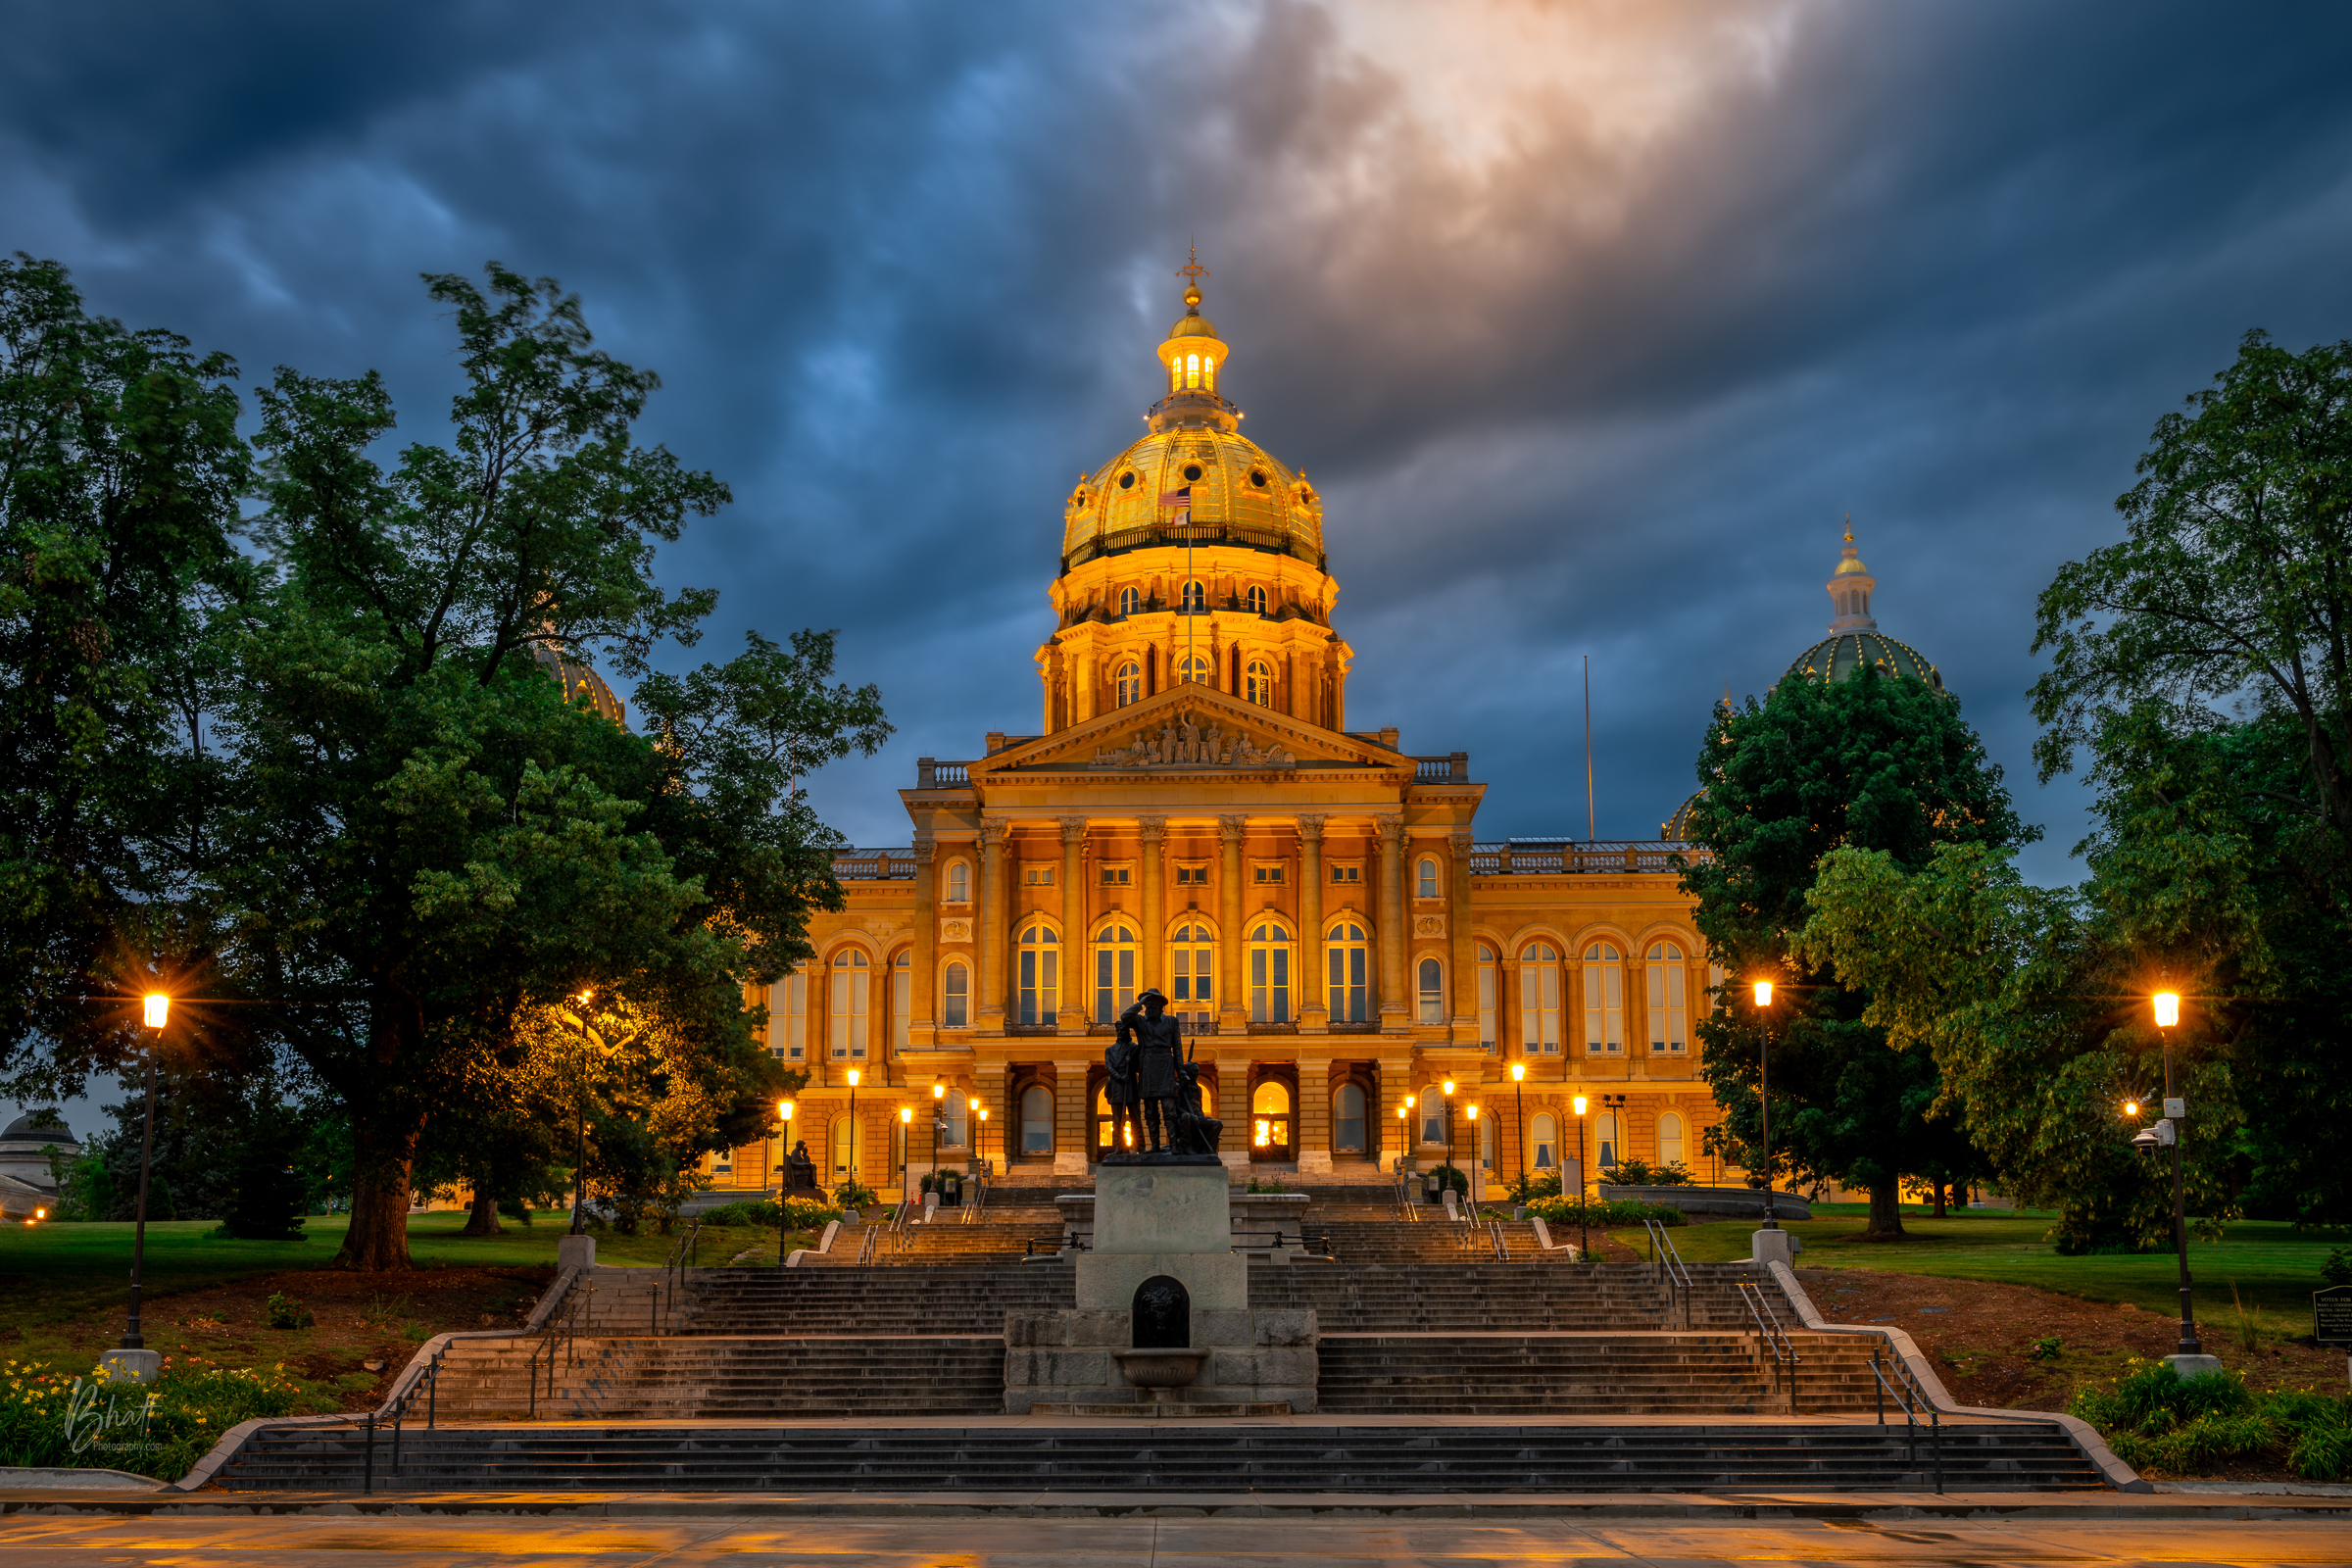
1591 836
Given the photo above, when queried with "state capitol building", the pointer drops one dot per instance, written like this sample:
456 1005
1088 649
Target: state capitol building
1198 815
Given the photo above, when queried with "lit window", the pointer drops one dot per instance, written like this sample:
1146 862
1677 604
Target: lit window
1037 876
1115 954
1256 598
1192 667
850 1003
1428 884
1191 968
791 1001
1130 683
1191 370
1348 1120
1669 1017
1270 1117
1604 1000
1196 598
1258 687
1543 1134
1345 958
1670 1139
1432 990
960 882
1540 998
958 1008
1208 371
1037 1121
1039 965
845 1145
1175 372
1270 973
902 998
1486 995
1131 601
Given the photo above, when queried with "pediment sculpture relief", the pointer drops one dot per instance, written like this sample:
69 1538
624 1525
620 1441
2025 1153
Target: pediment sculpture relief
1186 743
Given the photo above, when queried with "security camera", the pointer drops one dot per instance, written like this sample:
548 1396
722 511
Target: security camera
2145 1142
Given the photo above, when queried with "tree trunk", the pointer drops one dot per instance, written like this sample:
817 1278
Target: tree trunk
1940 1189
1885 1210
378 1237
482 1220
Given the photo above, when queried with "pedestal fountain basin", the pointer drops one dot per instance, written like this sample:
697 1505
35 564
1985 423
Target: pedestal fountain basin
1157 1369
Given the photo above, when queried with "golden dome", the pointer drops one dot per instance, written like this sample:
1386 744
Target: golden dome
579 682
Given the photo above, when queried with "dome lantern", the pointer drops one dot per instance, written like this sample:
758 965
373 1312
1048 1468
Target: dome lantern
1854 638
1192 358
1849 588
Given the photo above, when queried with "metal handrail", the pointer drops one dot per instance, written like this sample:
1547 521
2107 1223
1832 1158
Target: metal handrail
1502 1245
676 1267
1666 1267
559 1331
1906 1389
1774 1342
975 1202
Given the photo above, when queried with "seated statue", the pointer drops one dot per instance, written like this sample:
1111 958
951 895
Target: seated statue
799 1171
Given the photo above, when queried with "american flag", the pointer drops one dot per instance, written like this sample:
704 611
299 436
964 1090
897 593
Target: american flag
1181 499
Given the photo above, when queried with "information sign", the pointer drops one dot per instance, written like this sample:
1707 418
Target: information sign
2332 1310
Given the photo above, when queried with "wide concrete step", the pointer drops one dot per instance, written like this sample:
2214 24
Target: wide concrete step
1843 1458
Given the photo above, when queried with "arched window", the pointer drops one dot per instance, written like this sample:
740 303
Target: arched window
1040 973
1343 947
1348 1120
1486 1144
1196 599
1433 1115
1131 601
957 1132
1192 667
1669 1019
1426 884
1432 990
902 998
1105 1124
1486 995
1604 1141
960 882
1604 1000
1128 684
788 1018
1175 372
845 1147
1259 684
1115 958
1670 1139
956 1012
1209 372
1540 999
1254 600
1037 1121
1191 370
1544 1139
1269 972
1192 970
1270 1119
851 1003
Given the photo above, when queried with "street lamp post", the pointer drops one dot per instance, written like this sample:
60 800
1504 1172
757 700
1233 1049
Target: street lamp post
939 1115
2175 1112
853 1076
158 1011
1447 1086
983 1110
1519 1095
1764 1094
783 1225
1477 1155
1584 1218
905 1126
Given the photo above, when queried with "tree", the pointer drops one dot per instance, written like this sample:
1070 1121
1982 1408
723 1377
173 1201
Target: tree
120 472
1877 762
429 841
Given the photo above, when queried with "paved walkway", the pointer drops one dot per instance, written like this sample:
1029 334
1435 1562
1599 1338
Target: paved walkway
86 1541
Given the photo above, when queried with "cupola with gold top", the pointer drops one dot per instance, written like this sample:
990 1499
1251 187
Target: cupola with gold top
1854 638
1194 553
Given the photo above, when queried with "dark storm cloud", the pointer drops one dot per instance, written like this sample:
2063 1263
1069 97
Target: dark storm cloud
1590 322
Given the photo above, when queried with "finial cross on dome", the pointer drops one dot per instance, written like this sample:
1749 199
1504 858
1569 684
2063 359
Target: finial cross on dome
1192 268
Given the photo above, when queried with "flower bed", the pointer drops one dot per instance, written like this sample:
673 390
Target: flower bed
795 1213
1591 1212
159 1428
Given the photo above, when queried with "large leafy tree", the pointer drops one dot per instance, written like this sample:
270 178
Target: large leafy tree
1878 762
431 841
120 471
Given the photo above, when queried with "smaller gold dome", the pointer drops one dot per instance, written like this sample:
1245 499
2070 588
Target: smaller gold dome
579 682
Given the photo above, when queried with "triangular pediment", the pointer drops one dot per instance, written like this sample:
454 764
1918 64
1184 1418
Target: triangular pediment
1190 729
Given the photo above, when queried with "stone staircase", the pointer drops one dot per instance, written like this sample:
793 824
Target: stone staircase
1528 1375
1400 1459
764 1379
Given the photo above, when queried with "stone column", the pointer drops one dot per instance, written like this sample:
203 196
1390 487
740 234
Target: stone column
1070 1017
922 1031
1395 1016
1314 1011
1508 1042
1090 677
1232 1012
1310 1117
990 1017
1155 830
1458 931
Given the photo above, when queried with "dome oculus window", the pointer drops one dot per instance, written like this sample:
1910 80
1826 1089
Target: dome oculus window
1191 473
1127 480
1257 478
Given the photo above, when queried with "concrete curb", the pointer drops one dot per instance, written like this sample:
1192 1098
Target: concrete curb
2120 1475
56 1478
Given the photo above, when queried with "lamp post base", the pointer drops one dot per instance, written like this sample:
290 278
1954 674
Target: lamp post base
1771 1247
575 1251
132 1366
2194 1366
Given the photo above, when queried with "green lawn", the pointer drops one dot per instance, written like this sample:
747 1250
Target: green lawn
2274 1269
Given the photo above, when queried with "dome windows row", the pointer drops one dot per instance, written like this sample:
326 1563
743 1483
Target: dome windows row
1193 600
1192 373
1257 679
1194 473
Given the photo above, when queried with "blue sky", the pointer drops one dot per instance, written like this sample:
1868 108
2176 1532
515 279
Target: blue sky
1590 322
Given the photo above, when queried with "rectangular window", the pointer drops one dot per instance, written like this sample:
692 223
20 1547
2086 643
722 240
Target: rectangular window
1347 988
1270 985
959 998
1114 982
1667 1014
1485 999
1037 876
1266 876
788 1018
1433 1123
1346 873
1118 876
1539 1006
902 998
1040 986
1432 990
955 1134
1193 876
1604 1009
851 1003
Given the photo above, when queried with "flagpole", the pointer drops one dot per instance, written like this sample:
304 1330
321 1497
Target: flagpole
1592 836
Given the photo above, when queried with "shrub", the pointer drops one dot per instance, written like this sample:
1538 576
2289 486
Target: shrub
2337 1270
795 1213
1525 1188
1596 1212
1641 1173
2046 1348
1450 1176
287 1312
2156 1419
854 1195
49 1419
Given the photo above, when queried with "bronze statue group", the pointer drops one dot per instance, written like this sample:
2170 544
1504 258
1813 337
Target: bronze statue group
1150 1072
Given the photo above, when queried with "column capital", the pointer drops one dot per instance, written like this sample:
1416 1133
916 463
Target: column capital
1152 828
1073 828
1460 839
1310 828
1231 828
925 846
1391 828
992 830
